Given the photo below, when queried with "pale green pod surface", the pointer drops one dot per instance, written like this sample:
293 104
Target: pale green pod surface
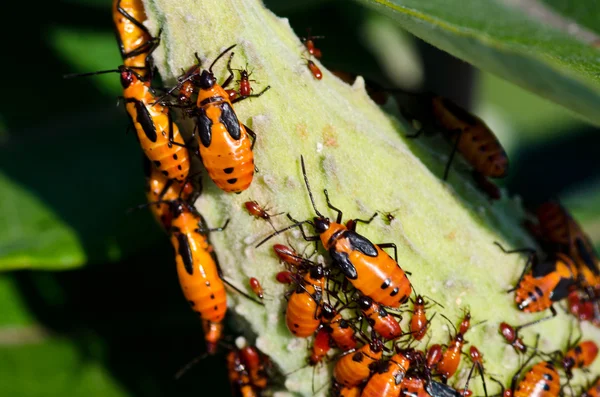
444 231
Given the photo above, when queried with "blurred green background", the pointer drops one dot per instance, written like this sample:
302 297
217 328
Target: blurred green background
112 321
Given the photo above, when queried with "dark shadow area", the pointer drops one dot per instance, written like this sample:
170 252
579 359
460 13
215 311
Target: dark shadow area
138 314
549 168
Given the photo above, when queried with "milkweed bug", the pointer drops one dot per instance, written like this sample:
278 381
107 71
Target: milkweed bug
321 346
477 360
314 69
238 376
352 368
257 211
135 41
510 334
303 308
340 329
284 277
370 269
309 43
224 143
386 380
594 390
256 287
470 135
581 355
418 321
379 319
257 364
451 356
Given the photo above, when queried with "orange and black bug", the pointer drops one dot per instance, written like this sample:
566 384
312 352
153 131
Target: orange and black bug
470 135
340 329
413 385
353 367
321 346
224 143
418 321
197 268
542 380
303 308
135 41
160 190
256 287
388 375
370 269
309 43
511 336
543 283
257 364
238 376
158 135
382 322
477 360
579 356
450 361
594 390
314 69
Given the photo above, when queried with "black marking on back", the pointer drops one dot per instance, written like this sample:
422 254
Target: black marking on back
562 289
459 112
438 389
204 125
541 269
186 253
586 255
361 244
343 262
230 120
143 117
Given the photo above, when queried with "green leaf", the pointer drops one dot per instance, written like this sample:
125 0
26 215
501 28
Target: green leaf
506 41
67 203
585 13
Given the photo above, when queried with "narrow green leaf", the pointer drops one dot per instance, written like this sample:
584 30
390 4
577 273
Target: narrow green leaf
535 53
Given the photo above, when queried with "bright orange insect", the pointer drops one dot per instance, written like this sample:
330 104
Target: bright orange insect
542 380
135 42
256 287
342 333
379 319
353 367
303 308
223 140
594 390
290 256
314 69
198 271
321 346
388 375
413 385
341 391
451 357
370 269
256 363
419 322
160 189
580 356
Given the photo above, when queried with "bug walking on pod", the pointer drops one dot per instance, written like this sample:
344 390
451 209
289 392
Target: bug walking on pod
198 271
352 368
256 287
469 134
224 143
382 322
419 322
314 69
543 283
136 44
477 360
368 268
340 329
257 211
450 360
388 375
309 44
510 335
303 308
244 87
582 355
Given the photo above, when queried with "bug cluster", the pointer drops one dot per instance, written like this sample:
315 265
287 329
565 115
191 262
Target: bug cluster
353 301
